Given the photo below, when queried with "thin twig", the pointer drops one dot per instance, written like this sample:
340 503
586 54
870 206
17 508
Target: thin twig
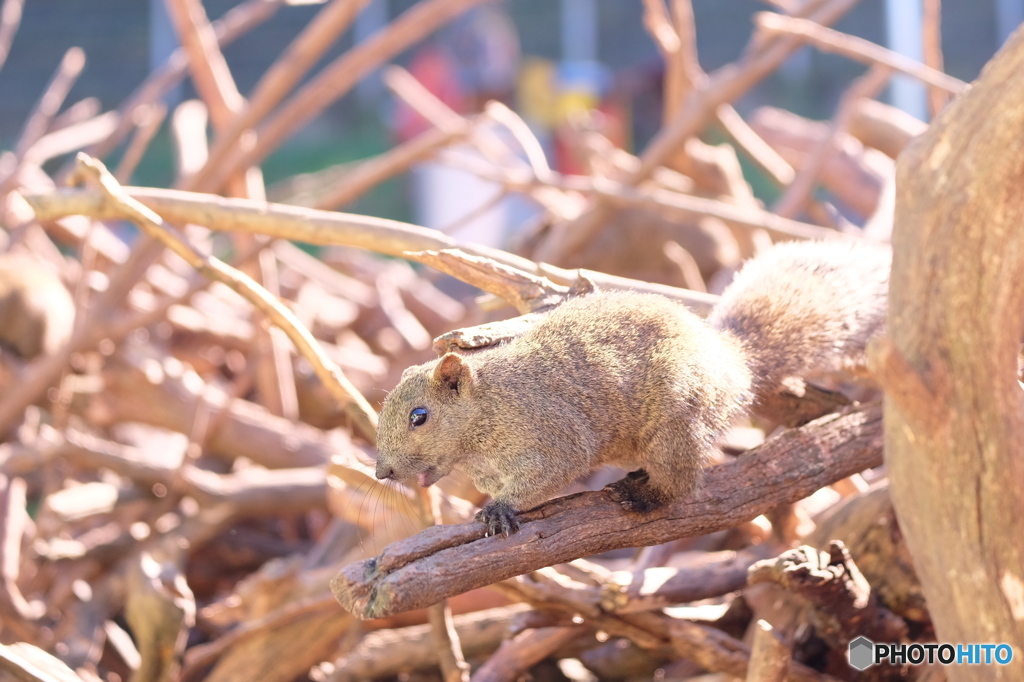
516 656
80 111
340 387
237 22
931 44
335 80
660 633
529 143
207 65
799 191
10 19
148 119
293 64
70 138
753 145
724 85
661 200
371 172
52 100
830 40
203 655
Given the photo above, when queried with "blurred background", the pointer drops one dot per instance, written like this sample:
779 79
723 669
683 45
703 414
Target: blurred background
545 58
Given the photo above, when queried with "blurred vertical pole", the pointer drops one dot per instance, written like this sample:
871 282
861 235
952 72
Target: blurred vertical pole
579 30
903 32
163 41
1009 15
373 18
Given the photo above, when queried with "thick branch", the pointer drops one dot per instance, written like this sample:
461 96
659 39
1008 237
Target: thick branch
448 560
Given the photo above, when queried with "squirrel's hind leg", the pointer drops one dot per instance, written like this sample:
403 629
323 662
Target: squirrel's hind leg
673 463
635 493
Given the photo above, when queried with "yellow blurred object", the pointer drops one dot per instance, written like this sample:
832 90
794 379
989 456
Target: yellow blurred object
537 92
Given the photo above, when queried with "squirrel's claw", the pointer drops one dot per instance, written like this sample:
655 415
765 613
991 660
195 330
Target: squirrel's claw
500 519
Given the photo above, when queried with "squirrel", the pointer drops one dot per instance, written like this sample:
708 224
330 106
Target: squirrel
37 314
631 379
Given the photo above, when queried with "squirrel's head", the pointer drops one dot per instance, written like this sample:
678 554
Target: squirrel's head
423 419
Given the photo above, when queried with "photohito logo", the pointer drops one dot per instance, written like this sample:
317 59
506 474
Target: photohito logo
863 653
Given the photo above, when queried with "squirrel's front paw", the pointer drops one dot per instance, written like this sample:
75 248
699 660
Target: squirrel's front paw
634 492
500 518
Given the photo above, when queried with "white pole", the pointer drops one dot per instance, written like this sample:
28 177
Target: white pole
903 31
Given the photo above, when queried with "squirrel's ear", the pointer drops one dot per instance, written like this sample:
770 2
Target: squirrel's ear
451 371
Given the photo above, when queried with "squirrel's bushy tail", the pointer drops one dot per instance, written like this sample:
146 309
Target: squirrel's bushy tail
806 307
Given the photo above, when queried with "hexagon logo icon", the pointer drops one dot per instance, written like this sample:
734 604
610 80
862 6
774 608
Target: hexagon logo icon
862 653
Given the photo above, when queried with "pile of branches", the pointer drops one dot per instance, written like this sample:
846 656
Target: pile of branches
186 486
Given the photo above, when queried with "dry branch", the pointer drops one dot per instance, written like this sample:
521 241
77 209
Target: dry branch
70 138
28 663
517 656
449 560
769 657
209 70
320 227
724 85
388 652
799 191
851 172
884 127
842 604
707 575
665 201
759 151
371 172
659 633
931 48
237 22
527 293
245 492
10 19
149 120
341 388
829 40
335 80
52 100
288 70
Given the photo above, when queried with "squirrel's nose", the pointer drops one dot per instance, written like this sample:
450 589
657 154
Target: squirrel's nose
384 472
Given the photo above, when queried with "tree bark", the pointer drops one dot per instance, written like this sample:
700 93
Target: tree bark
954 412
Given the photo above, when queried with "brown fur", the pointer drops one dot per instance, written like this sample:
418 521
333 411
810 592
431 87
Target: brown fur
622 378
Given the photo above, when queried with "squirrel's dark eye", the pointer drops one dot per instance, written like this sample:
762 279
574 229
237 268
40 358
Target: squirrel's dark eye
418 416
